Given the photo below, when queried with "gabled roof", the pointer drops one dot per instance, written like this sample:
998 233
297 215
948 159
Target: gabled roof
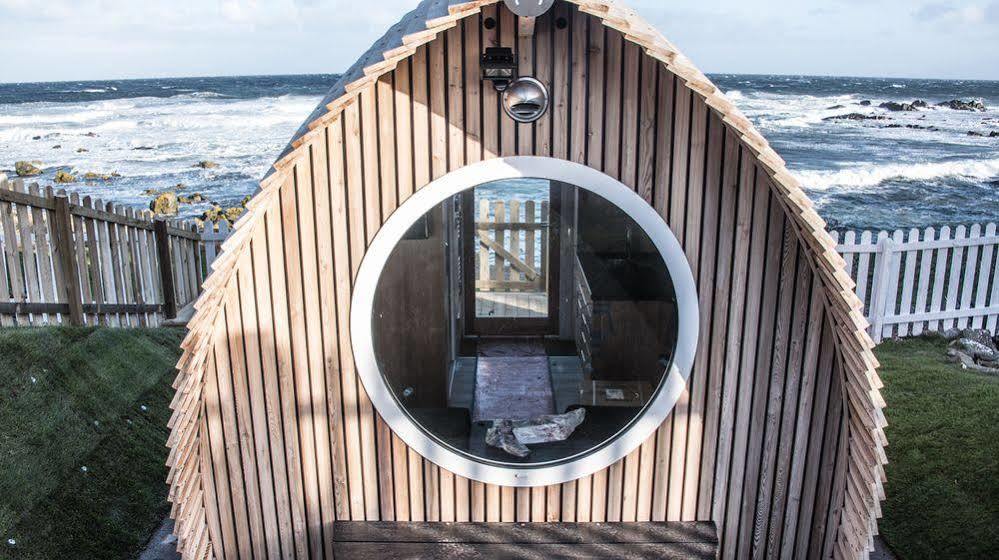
419 27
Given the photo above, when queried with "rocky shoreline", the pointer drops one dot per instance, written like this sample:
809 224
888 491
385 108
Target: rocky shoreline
164 203
883 111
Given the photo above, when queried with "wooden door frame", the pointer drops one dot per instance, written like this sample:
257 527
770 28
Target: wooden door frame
510 326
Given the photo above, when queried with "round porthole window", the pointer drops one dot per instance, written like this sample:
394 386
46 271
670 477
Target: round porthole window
524 321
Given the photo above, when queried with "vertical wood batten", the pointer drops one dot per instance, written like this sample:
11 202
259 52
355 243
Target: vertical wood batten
300 355
269 375
761 372
229 442
244 426
286 374
333 498
344 225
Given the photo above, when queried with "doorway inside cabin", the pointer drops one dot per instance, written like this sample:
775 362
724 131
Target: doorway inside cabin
510 236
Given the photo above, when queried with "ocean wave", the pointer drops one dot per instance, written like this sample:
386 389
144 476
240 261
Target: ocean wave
78 117
867 175
202 95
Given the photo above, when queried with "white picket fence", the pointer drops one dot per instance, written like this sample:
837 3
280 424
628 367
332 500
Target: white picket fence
925 280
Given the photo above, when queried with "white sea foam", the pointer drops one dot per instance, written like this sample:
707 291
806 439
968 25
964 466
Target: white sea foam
153 142
867 175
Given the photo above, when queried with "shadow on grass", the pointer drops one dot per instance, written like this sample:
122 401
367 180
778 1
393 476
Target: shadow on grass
106 496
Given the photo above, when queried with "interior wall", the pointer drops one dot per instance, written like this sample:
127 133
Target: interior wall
567 262
756 442
412 305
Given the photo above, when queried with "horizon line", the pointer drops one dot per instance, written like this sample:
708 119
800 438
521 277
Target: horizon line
338 74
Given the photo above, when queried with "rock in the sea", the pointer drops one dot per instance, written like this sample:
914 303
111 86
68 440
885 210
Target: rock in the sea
57 147
962 105
195 198
81 150
865 103
217 214
920 104
91 135
894 106
94 176
994 134
834 107
912 126
856 117
233 214
26 169
164 204
977 133
64 177
143 148
206 164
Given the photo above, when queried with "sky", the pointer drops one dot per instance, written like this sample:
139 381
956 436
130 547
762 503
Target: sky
66 40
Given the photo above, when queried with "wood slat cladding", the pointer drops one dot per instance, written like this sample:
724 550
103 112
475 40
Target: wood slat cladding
778 437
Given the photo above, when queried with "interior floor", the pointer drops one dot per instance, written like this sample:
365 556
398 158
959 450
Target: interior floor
517 378
517 305
512 380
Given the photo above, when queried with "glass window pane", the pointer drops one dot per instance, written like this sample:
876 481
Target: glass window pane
534 397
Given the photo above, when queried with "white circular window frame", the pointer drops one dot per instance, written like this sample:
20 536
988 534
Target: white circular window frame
640 429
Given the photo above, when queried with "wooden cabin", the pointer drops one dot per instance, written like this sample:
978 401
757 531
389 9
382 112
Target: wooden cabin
527 268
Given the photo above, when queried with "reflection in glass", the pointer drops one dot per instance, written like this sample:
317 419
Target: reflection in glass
528 383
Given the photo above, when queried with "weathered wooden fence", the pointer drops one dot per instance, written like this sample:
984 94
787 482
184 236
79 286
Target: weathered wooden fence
72 261
512 246
922 280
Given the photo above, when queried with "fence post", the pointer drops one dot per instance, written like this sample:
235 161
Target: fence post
166 268
63 231
880 288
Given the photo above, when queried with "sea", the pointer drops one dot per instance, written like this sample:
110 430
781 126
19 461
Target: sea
928 167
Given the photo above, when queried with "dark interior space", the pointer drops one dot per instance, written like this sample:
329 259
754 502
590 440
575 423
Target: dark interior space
607 338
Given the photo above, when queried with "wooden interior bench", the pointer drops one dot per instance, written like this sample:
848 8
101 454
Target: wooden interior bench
386 540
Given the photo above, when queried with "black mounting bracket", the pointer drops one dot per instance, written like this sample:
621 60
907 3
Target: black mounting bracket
499 66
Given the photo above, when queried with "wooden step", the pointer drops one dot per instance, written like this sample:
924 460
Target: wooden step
383 540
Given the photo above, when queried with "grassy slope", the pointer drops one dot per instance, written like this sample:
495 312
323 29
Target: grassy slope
943 474
73 398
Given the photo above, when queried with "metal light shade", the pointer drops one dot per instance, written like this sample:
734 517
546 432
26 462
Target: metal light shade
525 100
529 8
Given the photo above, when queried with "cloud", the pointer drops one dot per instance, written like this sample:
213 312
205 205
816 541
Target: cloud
86 39
992 13
946 13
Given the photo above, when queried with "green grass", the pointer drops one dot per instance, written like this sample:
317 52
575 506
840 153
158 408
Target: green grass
943 471
71 398
74 398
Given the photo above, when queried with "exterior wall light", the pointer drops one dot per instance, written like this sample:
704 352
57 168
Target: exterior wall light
499 66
